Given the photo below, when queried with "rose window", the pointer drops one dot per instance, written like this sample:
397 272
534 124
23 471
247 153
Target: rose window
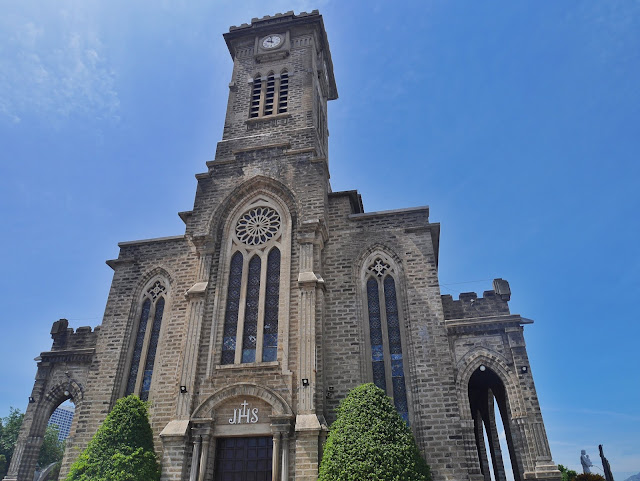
257 226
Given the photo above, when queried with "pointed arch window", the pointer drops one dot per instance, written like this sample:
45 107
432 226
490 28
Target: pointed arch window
385 336
252 313
269 95
146 341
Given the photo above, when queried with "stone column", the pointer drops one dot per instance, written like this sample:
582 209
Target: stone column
311 238
481 450
196 295
195 459
280 427
494 442
284 470
204 453
275 460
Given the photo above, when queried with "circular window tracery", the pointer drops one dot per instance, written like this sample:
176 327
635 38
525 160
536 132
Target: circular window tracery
258 226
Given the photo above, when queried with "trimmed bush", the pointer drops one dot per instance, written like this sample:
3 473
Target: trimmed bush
122 449
369 440
589 477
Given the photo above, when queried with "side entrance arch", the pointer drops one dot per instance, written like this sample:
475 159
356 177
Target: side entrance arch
61 376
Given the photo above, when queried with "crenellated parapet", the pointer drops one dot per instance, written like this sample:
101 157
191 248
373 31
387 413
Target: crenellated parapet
66 338
470 306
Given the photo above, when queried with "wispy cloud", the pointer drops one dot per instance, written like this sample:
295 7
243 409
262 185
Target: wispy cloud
52 68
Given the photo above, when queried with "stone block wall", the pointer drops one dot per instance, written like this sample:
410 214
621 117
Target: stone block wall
409 238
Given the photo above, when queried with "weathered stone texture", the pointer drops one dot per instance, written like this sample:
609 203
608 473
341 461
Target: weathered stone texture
327 244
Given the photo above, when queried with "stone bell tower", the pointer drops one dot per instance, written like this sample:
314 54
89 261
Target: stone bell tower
282 79
270 175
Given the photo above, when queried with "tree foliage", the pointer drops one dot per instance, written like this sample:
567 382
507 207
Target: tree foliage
52 449
9 430
122 449
567 474
369 440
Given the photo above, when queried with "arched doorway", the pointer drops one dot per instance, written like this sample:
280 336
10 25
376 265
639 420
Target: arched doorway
488 399
241 433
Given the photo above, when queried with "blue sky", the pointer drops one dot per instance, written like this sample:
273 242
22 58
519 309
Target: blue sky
517 122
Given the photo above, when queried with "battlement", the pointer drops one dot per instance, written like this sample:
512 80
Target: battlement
65 338
272 19
469 305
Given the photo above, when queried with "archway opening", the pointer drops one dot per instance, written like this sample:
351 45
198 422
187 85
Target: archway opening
54 441
490 412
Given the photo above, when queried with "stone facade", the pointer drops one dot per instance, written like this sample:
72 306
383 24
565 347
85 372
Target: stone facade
282 296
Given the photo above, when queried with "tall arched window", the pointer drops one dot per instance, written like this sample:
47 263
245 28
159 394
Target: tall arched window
146 342
385 337
252 313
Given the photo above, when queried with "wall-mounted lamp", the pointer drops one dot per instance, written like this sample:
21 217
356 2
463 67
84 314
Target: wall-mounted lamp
67 391
183 389
483 368
305 382
524 368
31 400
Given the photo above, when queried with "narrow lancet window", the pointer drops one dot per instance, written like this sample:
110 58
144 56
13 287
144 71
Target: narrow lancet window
151 352
385 336
250 331
137 349
146 342
375 332
395 348
272 299
231 313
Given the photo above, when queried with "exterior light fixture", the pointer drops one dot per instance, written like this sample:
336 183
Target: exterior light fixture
524 368
31 400
305 382
67 391
483 367
183 389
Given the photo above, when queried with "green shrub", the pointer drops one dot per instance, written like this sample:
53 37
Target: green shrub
589 477
369 441
122 449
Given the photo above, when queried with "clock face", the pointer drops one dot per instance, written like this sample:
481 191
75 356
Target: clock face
271 41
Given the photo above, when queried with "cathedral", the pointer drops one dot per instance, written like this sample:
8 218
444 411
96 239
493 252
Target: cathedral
245 332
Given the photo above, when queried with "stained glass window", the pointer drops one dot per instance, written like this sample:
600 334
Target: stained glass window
272 298
231 313
250 332
151 352
375 333
385 334
137 349
395 348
